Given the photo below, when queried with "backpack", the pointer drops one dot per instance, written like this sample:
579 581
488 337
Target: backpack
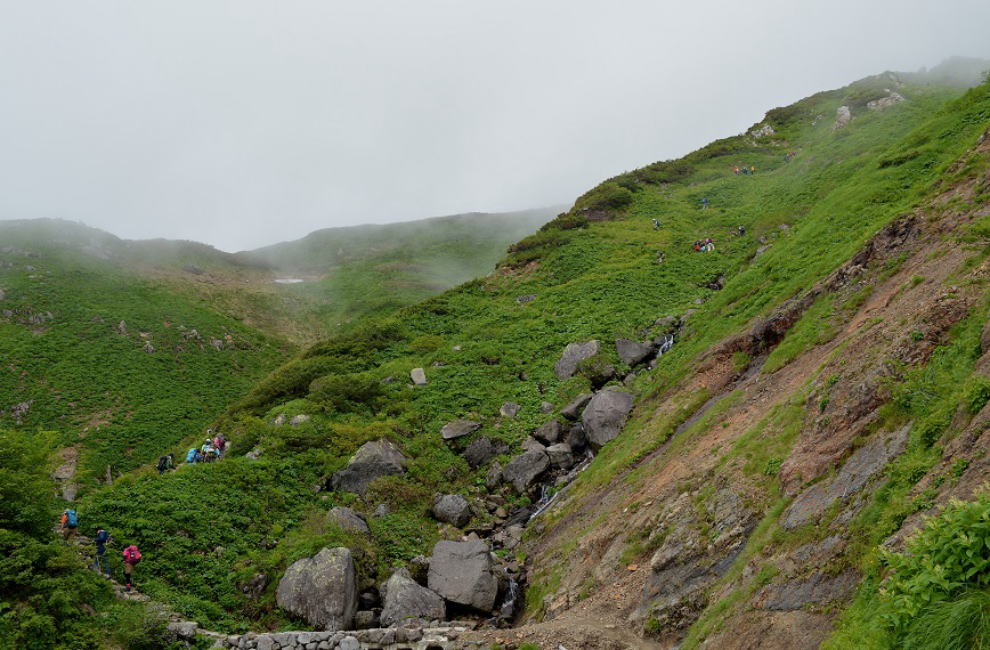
132 555
101 537
163 463
71 519
191 455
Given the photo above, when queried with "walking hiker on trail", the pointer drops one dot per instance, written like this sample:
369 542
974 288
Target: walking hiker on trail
102 539
704 203
192 456
131 557
741 230
70 524
656 224
166 463
752 169
220 444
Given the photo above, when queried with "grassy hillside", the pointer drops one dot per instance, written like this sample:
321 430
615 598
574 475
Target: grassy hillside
595 272
362 271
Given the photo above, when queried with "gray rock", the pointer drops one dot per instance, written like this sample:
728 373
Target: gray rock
576 437
530 444
523 470
405 600
349 643
560 455
605 415
547 407
574 354
632 352
865 463
419 569
574 407
461 572
452 509
458 428
529 297
321 589
509 410
494 476
381 511
279 420
818 589
483 450
372 461
418 376
183 629
365 619
348 520
842 118
298 419
549 432
885 102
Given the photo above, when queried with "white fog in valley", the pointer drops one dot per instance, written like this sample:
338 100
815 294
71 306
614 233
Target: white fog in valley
244 123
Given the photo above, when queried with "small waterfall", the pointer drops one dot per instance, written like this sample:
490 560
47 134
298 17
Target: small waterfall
507 611
547 499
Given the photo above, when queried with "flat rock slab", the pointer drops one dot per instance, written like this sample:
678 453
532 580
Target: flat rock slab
458 428
818 589
418 376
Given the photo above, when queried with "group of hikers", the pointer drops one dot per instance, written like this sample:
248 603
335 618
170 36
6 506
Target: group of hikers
211 450
130 555
744 170
704 246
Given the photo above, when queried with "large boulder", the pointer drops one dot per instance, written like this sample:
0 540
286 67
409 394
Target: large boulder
842 118
458 428
348 520
406 600
509 410
483 450
549 432
574 354
522 470
418 376
605 415
321 589
372 461
561 455
462 573
452 509
632 352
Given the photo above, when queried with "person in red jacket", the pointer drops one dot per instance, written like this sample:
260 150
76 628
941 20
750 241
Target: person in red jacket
131 557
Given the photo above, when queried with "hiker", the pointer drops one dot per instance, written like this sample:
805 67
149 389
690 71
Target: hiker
192 456
220 442
207 451
656 224
741 230
704 203
131 557
735 170
709 246
697 247
661 257
70 523
166 463
752 169
102 539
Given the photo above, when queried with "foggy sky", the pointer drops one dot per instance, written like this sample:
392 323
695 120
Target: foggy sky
244 122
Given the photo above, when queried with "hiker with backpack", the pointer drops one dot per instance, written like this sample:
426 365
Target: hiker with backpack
220 444
656 224
704 203
166 463
131 558
70 523
192 456
102 539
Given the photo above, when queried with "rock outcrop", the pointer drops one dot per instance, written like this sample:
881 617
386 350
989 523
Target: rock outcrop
632 352
483 450
842 118
406 601
418 376
321 589
462 573
372 461
574 354
605 415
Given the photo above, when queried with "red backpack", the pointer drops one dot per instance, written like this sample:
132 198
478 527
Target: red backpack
132 555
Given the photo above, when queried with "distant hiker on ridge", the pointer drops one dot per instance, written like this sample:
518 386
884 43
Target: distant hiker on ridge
656 224
704 203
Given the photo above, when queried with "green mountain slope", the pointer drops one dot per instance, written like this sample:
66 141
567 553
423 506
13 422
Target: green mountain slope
600 271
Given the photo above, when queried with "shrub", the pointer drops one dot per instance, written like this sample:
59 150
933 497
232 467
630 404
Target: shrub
607 196
949 558
357 392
